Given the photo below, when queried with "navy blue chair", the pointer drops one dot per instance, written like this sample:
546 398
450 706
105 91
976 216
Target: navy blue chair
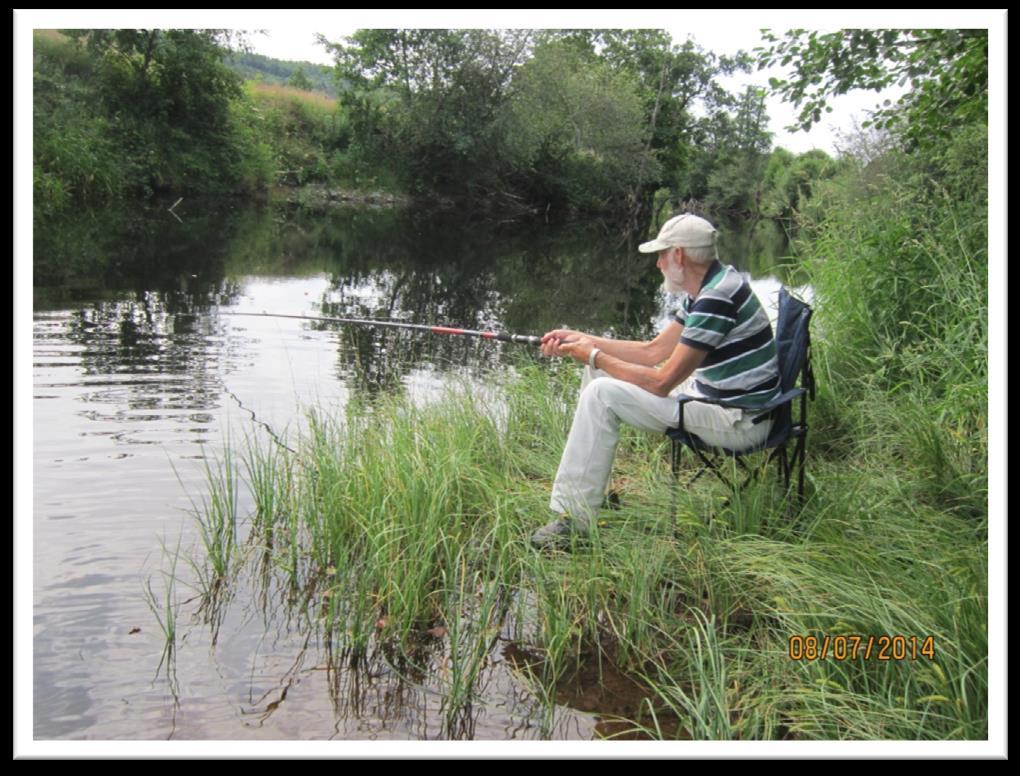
793 346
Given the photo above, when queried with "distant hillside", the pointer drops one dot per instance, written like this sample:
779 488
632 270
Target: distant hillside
279 72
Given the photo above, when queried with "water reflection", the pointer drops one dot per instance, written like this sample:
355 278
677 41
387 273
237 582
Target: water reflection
458 275
167 280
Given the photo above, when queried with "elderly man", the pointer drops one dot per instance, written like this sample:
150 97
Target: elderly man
719 345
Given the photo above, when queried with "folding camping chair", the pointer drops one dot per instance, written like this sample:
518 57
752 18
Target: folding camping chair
793 345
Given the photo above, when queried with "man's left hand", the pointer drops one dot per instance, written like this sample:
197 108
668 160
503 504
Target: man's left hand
578 349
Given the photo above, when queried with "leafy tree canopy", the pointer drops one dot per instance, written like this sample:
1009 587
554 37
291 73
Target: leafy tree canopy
174 76
432 96
947 71
579 122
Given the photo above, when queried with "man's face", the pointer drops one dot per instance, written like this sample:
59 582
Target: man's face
672 272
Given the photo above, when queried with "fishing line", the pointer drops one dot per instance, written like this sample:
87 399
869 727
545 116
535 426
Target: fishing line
500 336
264 425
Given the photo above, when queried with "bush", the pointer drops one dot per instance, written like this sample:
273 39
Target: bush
899 266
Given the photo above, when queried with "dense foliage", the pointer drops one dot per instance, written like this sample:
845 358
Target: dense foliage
120 112
514 122
594 121
896 245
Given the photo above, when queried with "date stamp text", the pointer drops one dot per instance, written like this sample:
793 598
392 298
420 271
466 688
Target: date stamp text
854 647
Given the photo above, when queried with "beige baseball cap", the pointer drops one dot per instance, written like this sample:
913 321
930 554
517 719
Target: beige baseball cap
686 231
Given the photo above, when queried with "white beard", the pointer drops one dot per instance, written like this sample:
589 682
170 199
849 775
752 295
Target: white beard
673 279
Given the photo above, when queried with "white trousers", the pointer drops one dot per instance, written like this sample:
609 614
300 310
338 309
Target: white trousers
605 403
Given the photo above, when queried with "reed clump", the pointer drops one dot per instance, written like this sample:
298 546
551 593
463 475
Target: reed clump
397 522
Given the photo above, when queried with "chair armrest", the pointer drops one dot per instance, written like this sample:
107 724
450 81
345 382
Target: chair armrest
784 398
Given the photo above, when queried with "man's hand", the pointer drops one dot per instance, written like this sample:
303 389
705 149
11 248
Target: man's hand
553 341
578 348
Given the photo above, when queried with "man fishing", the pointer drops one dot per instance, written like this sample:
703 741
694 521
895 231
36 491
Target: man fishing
718 345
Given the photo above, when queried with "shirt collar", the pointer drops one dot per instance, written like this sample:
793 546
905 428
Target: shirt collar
713 268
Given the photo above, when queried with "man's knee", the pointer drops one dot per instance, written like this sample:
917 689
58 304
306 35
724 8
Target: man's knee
591 389
603 391
617 402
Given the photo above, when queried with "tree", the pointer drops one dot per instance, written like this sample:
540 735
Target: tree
173 76
739 147
947 71
167 96
670 80
793 184
431 99
576 127
299 80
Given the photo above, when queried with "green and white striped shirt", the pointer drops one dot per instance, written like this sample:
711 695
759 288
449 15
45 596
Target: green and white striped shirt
727 320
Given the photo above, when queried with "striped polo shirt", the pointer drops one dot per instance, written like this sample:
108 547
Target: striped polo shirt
727 320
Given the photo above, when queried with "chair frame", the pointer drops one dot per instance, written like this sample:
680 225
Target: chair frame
785 426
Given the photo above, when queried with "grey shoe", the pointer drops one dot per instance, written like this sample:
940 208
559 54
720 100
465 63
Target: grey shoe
557 534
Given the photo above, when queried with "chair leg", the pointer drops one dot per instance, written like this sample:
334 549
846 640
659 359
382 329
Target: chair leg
709 464
799 456
675 468
787 461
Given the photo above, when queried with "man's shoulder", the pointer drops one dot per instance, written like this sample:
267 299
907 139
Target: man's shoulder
731 279
728 284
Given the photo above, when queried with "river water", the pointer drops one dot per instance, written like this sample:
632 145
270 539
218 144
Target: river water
140 377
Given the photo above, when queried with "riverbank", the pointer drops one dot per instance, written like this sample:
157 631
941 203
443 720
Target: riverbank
108 125
322 196
401 531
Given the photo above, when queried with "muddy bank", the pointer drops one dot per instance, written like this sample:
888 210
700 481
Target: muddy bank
319 196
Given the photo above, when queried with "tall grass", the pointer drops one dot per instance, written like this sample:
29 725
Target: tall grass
900 268
298 99
308 137
401 524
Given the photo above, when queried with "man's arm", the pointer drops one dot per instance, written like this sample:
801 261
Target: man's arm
658 380
631 351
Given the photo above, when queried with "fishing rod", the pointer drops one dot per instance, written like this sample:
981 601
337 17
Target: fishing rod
502 336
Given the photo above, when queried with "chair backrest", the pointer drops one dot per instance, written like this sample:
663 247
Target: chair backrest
793 338
793 342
